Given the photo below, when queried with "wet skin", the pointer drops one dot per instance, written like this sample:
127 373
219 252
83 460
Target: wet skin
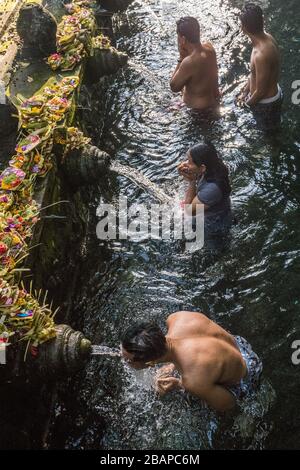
205 355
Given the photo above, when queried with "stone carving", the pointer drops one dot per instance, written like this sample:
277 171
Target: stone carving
86 166
104 62
63 355
37 28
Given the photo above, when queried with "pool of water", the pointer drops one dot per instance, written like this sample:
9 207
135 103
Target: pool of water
251 287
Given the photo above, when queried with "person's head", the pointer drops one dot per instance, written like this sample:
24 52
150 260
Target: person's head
252 19
143 344
188 31
203 159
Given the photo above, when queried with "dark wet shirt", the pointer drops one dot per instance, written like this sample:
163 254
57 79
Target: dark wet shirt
218 206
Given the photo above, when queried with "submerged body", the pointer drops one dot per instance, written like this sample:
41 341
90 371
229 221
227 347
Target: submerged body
208 186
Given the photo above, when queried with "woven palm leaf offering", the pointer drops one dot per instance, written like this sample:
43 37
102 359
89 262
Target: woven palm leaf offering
56 108
31 112
74 38
8 297
27 314
28 143
71 138
55 60
11 178
6 200
101 42
68 85
32 107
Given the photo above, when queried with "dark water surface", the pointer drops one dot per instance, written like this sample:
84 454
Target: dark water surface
251 288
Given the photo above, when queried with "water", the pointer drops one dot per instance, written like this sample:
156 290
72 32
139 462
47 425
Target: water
140 180
100 350
251 287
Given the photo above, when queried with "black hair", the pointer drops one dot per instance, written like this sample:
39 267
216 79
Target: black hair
252 18
189 28
216 170
145 341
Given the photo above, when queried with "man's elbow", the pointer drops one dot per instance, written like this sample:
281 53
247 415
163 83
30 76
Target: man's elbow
175 88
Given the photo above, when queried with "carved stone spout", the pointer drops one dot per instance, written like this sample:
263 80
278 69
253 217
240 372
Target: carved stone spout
86 166
63 355
104 62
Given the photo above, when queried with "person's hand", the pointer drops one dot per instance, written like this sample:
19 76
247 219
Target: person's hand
183 167
165 371
241 97
184 170
182 53
241 101
164 385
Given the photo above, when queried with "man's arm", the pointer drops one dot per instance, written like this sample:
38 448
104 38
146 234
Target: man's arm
216 396
181 76
262 79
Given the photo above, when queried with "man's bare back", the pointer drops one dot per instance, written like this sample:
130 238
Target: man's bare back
213 365
200 72
200 345
196 74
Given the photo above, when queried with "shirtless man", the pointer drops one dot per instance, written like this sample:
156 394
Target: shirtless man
213 365
196 73
262 91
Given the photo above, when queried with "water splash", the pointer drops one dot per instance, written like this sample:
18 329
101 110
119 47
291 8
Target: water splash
100 350
142 69
142 181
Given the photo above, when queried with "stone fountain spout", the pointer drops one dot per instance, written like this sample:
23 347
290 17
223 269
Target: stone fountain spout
63 355
86 165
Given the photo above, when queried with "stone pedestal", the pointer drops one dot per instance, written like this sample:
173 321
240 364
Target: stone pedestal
37 27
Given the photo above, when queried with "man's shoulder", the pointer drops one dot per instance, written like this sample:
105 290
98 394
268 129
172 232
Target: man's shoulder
187 314
209 48
272 39
267 49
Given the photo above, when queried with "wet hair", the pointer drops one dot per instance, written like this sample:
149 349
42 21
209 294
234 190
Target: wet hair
189 28
145 341
216 170
252 18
